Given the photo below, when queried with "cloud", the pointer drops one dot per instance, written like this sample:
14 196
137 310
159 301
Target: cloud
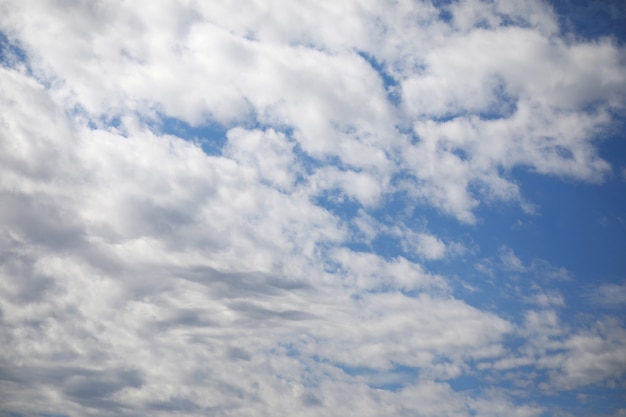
510 261
268 153
570 359
270 75
429 246
155 248
609 295
281 274
593 356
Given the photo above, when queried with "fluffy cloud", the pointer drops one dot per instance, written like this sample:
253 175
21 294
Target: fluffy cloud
141 275
496 106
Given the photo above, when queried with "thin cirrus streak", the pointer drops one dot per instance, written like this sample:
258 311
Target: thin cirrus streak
312 208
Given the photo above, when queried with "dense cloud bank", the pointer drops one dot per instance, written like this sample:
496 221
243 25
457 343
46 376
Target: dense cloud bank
194 195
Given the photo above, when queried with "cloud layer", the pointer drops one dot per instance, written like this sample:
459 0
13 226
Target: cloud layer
285 272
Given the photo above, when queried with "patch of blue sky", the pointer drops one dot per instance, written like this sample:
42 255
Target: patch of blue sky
289 349
444 9
592 19
311 164
469 384
502 106
594 400
100 122
389 83
581 227
10 53
386 246
338 203
211 136
394 379
494 287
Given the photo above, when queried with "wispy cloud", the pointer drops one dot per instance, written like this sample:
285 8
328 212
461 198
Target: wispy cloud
609 295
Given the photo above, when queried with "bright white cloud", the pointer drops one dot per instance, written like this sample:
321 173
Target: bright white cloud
281 275
428 246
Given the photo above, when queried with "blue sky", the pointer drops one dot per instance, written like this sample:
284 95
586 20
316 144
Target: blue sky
404 208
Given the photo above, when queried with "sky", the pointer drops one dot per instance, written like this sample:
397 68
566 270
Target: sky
312 208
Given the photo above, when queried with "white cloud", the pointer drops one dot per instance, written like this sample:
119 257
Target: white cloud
135 251
366 271
571 359
139 273
593 356
609 295
268 153
250 67
427 246
547 299
363 187
510 261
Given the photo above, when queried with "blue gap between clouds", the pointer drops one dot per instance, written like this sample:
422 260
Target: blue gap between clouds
101 121
503 106
210 136
389 83
393 380
592 19
10 53
466 383
582 228
444 12
579 226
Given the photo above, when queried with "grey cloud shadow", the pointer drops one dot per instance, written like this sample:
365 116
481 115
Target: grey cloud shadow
28 285
43 221
158 220
310 400
175 404
87 387
241 284
185 318
238 354
95 389
260 314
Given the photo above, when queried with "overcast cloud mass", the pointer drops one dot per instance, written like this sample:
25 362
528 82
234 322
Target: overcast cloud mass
312 208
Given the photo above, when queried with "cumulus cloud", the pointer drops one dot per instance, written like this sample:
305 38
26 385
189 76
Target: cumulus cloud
282 274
